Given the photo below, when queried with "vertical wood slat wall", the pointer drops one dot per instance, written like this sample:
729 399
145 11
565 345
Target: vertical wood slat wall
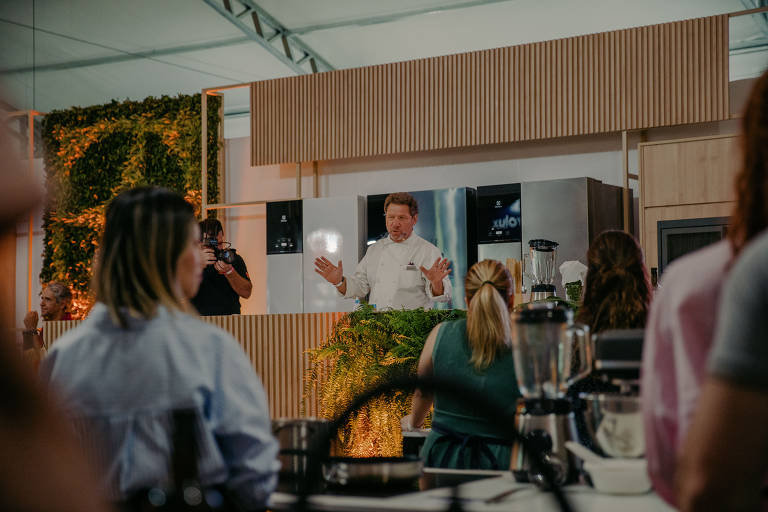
660 75
276 346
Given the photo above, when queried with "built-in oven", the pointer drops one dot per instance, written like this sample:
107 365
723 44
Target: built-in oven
679 237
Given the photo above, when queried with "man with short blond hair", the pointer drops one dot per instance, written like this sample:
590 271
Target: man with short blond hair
402 271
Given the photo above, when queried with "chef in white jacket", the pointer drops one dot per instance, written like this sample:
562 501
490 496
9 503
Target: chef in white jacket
402 271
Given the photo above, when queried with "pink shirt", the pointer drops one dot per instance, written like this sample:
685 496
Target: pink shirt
678 336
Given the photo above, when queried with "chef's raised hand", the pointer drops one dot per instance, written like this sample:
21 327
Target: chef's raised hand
330 272
435 274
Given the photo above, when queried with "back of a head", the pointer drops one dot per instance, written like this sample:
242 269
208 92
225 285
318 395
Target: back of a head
145 232
751 212
488 287
617 291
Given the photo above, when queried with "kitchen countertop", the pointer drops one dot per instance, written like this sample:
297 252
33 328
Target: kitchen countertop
474 495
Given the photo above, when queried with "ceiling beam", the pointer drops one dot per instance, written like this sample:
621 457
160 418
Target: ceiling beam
111 59
389 18
293 52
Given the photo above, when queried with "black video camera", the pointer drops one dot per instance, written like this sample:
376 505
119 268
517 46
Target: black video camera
227 254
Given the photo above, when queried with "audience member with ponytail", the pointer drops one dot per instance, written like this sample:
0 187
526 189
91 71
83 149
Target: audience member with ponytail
475 350
618 291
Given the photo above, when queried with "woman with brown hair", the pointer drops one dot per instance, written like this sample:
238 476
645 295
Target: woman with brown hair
683 317
475 351
617 291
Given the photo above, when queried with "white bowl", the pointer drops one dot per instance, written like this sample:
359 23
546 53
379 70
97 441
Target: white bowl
619 476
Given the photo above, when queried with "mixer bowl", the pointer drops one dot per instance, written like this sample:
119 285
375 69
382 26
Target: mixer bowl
615 424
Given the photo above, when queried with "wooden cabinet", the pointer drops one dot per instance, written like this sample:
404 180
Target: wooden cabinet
685 179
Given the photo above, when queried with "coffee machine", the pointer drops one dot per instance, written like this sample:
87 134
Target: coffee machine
551 352
540 267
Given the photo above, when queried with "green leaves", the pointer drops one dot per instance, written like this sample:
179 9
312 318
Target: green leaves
94 153
365 348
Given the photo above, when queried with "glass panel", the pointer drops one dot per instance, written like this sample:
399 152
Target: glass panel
682 243
748 46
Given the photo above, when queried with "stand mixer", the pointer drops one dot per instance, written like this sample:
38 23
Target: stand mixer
614 419
551 352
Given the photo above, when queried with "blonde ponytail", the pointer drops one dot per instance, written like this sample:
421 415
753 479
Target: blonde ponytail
488 286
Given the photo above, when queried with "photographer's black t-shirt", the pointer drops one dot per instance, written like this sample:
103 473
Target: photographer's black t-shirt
216 296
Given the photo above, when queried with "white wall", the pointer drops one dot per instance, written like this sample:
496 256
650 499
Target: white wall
22 258
593 156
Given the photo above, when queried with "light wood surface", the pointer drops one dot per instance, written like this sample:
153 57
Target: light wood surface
687 211
690 172
685 179
660 75
277 346
8 276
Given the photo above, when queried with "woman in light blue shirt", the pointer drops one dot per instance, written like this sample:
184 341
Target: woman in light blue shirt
141 354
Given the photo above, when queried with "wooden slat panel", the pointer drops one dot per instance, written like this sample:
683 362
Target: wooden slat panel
276 345
674 73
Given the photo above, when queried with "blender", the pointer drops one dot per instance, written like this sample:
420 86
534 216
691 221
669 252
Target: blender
541 267
551 353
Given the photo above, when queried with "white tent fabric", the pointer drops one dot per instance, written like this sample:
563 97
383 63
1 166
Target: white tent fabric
70 34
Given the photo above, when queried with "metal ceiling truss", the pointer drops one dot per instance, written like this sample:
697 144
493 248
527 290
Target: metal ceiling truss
261 27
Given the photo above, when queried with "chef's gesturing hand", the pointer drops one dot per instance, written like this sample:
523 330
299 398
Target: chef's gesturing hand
330 272
435 274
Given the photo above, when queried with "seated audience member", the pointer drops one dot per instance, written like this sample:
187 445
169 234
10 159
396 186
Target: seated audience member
617 289
617 293
476 351
683 314
54 301
724 460
41 467
143 353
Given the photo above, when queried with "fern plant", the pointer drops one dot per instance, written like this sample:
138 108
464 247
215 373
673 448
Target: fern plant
367 348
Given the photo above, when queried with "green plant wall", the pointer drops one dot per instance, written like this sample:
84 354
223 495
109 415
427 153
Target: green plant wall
94 153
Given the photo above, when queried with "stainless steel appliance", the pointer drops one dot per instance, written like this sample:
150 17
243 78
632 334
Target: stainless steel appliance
551 352
298 232
572 211
540 267
284 257
614 421
499 223
333 227
295 437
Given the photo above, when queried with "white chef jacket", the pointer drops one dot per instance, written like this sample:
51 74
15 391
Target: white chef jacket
390 272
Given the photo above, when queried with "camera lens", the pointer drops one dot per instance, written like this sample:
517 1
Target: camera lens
227 256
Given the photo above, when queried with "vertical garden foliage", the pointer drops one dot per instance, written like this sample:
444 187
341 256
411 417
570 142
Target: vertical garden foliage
94 153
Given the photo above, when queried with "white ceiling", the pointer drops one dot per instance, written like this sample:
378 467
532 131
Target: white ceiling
70 33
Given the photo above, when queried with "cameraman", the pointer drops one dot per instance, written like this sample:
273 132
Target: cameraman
223 283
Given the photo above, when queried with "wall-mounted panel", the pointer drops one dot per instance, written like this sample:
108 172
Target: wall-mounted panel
660 75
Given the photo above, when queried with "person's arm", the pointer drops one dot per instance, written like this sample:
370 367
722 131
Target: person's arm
356 286
31 335
236 277
242 428
438 285
422 401
725 456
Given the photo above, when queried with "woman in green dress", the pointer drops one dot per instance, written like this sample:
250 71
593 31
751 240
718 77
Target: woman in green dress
477 352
